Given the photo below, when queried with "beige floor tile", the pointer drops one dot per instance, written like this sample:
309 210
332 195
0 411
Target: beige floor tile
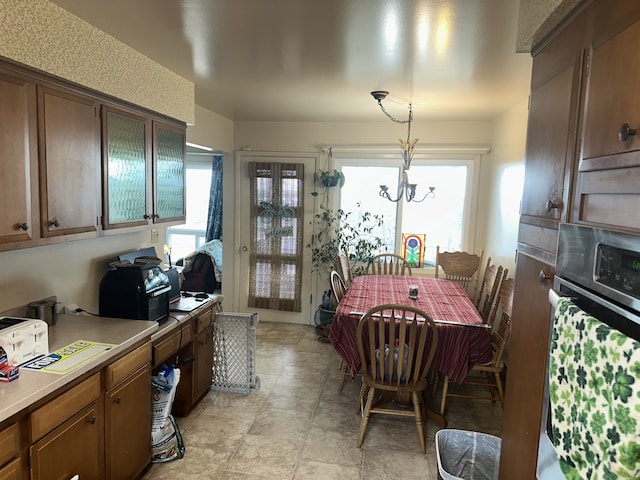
296 426
269 456
313 470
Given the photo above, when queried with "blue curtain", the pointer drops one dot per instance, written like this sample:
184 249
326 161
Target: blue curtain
214 220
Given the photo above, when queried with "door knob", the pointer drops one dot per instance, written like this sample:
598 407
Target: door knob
244 248
544 276
625 132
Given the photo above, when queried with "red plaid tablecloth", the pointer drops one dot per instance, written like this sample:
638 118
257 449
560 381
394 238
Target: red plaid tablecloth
459 347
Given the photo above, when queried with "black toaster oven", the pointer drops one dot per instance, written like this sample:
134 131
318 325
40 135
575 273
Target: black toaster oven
138 290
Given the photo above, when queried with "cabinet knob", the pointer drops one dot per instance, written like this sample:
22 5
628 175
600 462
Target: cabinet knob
544 276
550 205
54 222
117 400
147 216
92 420
625 132
24 226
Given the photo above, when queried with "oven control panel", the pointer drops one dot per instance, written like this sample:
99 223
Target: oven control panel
619 269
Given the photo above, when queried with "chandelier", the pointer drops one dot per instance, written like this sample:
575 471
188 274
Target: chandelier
405 188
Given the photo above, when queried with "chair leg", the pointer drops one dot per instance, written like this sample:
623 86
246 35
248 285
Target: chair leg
343 376
445 389
365 416
435 376
500 389
360 405
417 408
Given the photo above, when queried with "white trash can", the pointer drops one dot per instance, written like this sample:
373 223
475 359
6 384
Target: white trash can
466 455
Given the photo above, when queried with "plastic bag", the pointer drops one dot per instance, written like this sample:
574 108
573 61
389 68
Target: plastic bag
166 440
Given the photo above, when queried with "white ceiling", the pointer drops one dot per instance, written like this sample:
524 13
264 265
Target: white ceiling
317 60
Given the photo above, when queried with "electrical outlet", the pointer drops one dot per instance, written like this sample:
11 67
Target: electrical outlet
155 236
71 309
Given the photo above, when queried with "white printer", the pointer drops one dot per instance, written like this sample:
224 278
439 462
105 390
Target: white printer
23 339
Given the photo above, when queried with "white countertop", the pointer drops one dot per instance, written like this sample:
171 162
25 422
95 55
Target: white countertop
33 386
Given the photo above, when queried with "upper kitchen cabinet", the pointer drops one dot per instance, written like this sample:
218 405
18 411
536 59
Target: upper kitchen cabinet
126 140
143 165
551 140
18 157
168 172
69 157
610 161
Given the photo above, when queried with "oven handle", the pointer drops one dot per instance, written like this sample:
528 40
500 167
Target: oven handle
553 298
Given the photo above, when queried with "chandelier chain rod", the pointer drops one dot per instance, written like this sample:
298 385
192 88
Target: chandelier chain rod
400 121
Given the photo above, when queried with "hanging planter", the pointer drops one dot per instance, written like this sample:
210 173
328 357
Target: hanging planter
331 178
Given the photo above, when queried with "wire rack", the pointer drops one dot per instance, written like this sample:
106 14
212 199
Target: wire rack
234 352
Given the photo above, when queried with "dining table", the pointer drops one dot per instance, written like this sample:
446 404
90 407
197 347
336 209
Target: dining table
463 337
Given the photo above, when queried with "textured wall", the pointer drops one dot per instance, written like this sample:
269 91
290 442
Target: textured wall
537 18
42 35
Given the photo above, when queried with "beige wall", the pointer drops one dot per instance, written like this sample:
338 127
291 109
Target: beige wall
501 187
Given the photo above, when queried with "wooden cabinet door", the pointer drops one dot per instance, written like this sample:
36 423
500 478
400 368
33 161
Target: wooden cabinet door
204 356
613 99
526 371
128 426
126 165
17 156
607 177
74 448
168 173
551 136
69 153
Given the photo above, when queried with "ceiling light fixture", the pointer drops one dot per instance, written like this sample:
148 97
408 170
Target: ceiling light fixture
405 189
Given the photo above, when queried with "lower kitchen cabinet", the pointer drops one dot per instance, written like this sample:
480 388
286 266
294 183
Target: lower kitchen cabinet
526 371
11 471
203 352
73 448
127 410
10 461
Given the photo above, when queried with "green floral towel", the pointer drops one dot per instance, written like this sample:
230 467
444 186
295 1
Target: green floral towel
594 386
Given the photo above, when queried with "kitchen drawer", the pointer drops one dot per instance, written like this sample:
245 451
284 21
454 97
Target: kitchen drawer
9 444
63 407
11 471
203 321
170 344
122 368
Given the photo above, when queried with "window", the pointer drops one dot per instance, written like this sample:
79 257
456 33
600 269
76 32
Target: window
447 220
184 239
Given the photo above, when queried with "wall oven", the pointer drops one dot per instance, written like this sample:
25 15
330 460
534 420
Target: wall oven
599 271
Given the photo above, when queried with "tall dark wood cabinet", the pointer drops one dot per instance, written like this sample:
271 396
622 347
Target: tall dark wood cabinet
578 169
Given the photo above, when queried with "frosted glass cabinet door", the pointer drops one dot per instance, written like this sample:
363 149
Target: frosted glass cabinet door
126 166
169 168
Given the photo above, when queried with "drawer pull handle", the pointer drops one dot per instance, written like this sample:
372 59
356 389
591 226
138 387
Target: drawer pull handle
551 206
24 226
625 132
92 420
544 276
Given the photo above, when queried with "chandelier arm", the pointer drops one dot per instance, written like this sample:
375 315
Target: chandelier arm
393 118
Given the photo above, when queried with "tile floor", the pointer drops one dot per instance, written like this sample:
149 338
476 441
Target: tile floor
296 425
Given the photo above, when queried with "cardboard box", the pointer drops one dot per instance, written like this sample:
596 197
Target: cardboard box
9 373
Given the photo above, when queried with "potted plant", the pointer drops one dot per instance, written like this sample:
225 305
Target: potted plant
331 178
336 229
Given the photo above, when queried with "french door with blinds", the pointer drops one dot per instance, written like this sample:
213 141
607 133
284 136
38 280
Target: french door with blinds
275 225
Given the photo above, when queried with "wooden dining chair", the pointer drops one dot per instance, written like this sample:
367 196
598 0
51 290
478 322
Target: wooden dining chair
396 344
337 286
388 264
488 289
489 374
460 267
343 266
